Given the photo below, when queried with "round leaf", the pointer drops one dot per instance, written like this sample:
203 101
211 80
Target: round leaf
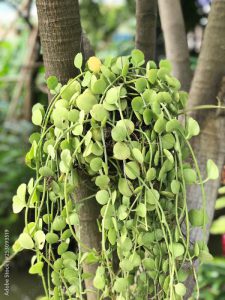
96 164
59 223
132 170
140 85
152 196
52 238
36 117
113 95
78 60
26 241
18 204
99 86
119 133
147 116
46 171
193 128
141 210
122 212
164 63
177 249
86 101
196 217
102 181
137 104
180 289
94 64
121 151
127 124
152 75
102 197
212 170
160 125
120 285
168 141
175 186
36 268
190 176
99 113
125 187
172 125
137 58
138 155
39 238
52 82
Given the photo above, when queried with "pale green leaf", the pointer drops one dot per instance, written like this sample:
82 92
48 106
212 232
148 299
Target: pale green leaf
212 170
26 241
180 289
78 60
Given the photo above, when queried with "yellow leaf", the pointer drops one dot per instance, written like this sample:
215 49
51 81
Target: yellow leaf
94 64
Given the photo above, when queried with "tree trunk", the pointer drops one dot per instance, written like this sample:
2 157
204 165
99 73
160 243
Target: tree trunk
88 230
60 32
211 63
204 89
87 49
146 18
175 40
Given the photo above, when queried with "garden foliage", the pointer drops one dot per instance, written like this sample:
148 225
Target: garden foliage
116 122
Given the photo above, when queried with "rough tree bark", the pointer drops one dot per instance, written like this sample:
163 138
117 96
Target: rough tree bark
175 40
86 48
88 231
146 18
60 31
61 38
211 66
204 89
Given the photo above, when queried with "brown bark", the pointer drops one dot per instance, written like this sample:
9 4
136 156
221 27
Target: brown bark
87 49
210 144
146 18
88 230
60 33
211 64
204 89
175 40
221 95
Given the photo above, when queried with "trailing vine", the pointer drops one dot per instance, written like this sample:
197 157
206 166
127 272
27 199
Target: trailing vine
116 121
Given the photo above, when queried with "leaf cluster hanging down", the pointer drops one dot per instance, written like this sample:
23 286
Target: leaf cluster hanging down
118 122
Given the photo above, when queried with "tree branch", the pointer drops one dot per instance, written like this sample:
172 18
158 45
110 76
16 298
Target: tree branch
204 89
211 63
175 40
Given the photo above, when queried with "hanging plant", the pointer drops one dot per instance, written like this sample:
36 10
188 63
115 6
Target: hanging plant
116 121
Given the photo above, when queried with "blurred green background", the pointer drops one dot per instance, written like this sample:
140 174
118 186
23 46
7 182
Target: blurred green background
110 27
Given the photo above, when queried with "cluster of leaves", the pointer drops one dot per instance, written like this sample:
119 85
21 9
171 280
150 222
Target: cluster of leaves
117 122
